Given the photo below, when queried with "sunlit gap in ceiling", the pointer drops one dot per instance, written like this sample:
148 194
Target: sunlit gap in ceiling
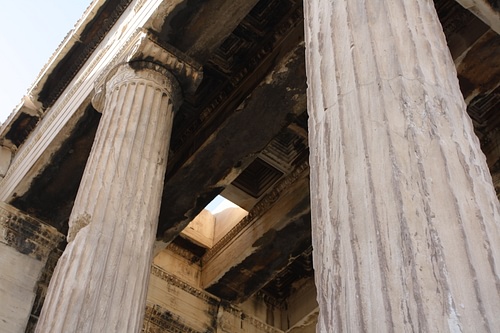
215 221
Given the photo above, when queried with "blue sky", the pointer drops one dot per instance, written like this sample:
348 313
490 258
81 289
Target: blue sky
30 31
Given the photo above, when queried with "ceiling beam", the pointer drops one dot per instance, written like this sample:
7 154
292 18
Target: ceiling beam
270 107
253 257
486 10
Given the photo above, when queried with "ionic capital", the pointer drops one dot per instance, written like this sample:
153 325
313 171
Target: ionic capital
138 72
145 59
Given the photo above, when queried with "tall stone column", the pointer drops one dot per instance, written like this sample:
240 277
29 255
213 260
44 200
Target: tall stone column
100 282
405 218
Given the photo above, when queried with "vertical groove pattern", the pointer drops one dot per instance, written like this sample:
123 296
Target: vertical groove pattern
100 281
405 218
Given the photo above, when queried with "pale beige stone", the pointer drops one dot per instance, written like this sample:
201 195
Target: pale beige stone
25 245
201 230
206 228
301 305
405 218
18 278
181 299
260 308
179 266
180 307
307 324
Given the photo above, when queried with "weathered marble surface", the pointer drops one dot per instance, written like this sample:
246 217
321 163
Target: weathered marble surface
405 219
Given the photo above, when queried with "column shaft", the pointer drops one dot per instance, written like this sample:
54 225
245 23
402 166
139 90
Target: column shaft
100 282
405 218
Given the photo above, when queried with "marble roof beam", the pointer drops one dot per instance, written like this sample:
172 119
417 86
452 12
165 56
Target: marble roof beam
268 109
205 25
485 10
242 263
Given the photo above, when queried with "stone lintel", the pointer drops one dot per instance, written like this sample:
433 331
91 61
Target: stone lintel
27 234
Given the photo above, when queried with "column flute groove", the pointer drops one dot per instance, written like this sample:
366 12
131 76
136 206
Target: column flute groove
404 238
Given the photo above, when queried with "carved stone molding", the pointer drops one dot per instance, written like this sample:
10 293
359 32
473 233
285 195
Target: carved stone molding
26 234
226 60
174 281
101 59
158 320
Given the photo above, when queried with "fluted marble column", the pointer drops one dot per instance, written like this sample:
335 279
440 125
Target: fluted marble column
405 219
100 282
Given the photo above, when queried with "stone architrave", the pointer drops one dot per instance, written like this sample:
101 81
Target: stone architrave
100 282
405 218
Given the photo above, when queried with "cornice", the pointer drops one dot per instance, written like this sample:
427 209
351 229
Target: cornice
85 43
26 234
